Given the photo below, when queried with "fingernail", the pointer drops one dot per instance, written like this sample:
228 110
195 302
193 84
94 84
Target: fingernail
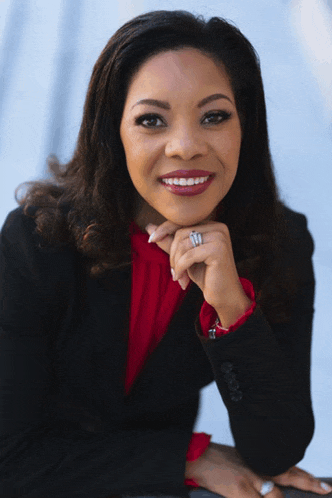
183 283
151 237
172 272
325 486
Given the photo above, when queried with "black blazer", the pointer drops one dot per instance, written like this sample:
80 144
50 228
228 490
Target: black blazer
66 427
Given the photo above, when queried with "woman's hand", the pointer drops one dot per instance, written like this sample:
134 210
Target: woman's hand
300 479
221 470
210 265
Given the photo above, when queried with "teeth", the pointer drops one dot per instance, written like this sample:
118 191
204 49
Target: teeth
185 181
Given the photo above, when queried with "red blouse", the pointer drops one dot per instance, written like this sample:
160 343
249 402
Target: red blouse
155 297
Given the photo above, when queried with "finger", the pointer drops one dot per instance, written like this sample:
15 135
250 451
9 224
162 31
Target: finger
242 488
310 484
326 487
188 259
182 243
192 266
307 482
274 493
165 243
184 281
157 233
193 258
300 479
217 233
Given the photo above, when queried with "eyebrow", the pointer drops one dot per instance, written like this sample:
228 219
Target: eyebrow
165 105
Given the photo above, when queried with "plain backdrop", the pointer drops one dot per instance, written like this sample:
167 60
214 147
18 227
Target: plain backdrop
47 51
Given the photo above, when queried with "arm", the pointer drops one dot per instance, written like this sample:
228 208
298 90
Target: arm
271 419
200 441
44 457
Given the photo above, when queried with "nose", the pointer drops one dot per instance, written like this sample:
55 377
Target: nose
185 143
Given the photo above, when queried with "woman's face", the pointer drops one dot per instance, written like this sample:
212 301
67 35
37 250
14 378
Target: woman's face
180 120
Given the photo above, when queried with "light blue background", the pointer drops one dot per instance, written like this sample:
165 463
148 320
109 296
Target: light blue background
47 51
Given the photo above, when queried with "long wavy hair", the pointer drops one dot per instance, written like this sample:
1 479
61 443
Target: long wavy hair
90 202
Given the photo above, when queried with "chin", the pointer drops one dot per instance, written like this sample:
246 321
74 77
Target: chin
187 221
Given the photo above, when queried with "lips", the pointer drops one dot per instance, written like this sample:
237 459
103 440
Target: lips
186 173
188 190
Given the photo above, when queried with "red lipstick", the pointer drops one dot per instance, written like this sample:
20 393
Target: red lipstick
187 173
189 190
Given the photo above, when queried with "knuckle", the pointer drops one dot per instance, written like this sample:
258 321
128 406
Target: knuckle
222 237
168 228
187 257
304 480
316 484
176 234
244 485
224 228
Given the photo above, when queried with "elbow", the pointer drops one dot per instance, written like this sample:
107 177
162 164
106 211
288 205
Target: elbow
274 450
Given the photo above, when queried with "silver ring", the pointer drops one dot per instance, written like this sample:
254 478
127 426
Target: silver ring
196 238
266 487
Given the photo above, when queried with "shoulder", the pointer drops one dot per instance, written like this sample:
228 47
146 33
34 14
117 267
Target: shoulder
23 249
297 221
297 245
296 230
17 217
19 229
20 226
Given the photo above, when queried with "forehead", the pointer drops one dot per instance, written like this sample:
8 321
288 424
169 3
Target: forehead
178 69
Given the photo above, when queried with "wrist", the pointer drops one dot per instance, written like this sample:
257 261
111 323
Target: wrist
193 468
228 315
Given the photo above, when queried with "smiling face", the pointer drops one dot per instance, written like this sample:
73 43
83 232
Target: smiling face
180 116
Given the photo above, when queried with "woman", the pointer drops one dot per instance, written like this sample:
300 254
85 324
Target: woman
171 174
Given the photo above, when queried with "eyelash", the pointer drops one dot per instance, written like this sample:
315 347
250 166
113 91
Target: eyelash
222 114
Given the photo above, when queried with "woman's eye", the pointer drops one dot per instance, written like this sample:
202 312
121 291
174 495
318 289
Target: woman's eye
150 121
216 117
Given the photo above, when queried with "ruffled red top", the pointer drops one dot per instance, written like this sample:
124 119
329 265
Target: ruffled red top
155 297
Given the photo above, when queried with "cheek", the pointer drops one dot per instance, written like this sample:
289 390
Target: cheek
231 144
142 157
129 146
132 153
138 167
230 153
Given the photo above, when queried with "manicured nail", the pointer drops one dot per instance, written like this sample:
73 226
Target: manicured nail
325 486
173 273
151 237
148 228
183 284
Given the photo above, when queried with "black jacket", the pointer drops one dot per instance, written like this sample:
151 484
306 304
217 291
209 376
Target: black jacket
66 428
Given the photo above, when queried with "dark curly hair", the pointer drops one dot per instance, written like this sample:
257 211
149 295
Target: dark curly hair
90 201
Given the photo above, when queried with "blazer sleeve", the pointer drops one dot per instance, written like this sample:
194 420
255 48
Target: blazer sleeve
39 457
262 372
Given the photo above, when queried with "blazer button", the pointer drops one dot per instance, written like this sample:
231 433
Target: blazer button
233 385
236 396
229 376
226 367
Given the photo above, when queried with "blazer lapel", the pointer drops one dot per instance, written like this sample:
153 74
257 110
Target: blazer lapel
178 365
